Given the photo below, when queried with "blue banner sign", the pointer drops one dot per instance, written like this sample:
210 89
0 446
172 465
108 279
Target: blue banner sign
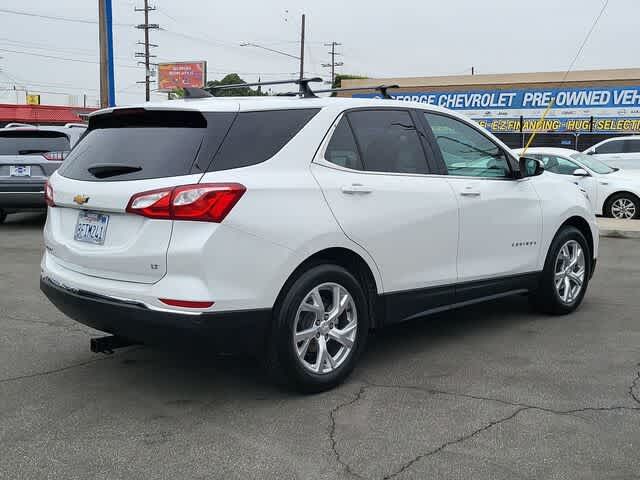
614 109
591 97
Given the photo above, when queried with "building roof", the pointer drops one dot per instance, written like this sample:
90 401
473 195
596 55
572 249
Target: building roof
35 114
581 76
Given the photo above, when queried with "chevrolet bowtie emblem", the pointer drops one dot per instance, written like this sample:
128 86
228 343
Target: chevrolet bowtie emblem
81 199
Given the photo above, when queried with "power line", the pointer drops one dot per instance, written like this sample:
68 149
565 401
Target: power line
62 19
54 57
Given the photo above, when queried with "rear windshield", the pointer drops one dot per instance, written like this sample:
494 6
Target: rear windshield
147 144
32 142
136 144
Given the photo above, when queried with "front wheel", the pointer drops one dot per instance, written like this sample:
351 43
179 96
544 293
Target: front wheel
320 328
624 206
566 273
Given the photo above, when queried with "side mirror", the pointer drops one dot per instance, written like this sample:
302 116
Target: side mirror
590 152
580 172
530 167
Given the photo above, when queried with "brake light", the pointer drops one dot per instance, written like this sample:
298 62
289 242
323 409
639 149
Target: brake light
185 303
205 202
48 194
55 156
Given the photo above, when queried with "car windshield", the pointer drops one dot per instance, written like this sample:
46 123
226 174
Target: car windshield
591 163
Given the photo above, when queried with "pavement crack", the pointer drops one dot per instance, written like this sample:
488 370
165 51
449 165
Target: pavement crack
635 384
332 431
461 439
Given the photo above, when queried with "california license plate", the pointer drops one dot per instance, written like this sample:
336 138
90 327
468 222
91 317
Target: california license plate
91 227
20 171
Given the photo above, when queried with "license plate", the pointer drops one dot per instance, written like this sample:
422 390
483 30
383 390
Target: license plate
91 227
20 171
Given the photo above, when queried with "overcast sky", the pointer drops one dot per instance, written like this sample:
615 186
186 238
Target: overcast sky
408 38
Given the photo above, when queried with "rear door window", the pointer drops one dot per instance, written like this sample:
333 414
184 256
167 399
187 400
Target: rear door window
388 141
258 136
614 146
147 144
342 149
33 142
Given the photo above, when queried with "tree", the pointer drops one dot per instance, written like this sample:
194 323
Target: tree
231 79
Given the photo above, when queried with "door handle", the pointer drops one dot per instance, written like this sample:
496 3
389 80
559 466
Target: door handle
356 188
470 193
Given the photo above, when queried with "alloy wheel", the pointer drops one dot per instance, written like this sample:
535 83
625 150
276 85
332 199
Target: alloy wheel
569 272
623 208
325 328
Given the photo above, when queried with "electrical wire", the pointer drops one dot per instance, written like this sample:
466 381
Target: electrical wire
566 74
68 59
62 19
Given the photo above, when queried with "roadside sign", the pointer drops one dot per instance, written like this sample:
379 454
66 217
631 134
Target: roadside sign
181 74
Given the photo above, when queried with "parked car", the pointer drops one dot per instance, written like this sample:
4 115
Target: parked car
613 192
291 227
620 152
28 156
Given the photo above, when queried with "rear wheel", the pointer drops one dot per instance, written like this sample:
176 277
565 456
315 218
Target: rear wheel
320 329
566 273
624 206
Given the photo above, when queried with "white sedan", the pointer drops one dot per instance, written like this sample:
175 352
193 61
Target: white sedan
613 192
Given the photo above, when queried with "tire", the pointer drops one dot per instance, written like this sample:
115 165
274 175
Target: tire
558 298
3 216
622 205
284 363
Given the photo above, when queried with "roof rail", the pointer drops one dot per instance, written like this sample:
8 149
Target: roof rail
380 88
304 91
75 125
16 124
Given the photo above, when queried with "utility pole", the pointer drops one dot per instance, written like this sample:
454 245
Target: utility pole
302 48
104 77
146 26
333 63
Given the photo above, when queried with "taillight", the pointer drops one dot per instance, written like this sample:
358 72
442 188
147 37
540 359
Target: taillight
206 202
55 156
48 194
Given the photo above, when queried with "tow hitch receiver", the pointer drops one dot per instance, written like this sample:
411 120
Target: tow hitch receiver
109 343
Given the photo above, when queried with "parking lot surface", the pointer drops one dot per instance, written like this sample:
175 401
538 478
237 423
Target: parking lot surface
489 392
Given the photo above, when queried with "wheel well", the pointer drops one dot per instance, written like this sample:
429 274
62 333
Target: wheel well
350 261
624 192
582 225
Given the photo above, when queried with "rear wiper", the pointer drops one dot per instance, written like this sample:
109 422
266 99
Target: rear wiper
29 152
104 170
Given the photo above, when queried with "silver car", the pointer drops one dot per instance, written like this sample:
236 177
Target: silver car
28 156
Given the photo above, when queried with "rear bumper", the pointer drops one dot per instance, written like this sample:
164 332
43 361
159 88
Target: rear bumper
238 331
22 194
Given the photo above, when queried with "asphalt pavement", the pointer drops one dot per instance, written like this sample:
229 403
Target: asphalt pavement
489 392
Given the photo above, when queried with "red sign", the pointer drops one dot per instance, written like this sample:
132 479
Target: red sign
181 74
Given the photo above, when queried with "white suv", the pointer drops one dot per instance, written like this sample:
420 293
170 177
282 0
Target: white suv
620 152
295 226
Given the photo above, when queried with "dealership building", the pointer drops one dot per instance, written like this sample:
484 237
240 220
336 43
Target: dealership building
586 106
